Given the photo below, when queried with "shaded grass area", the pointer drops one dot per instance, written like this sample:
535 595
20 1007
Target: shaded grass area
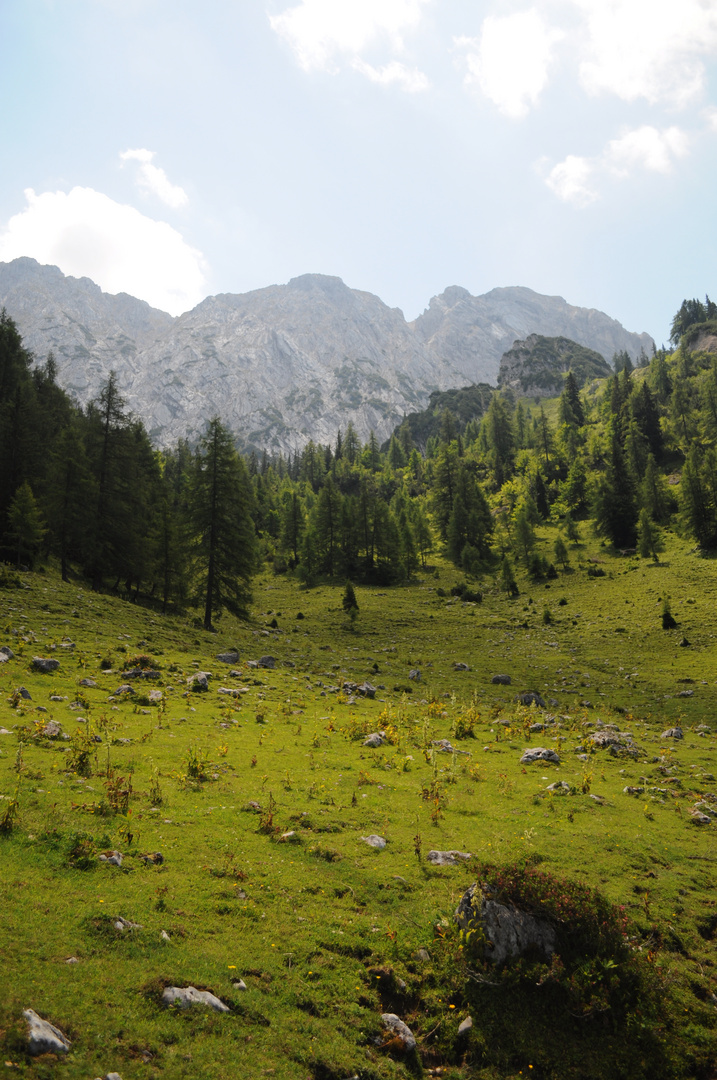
325 931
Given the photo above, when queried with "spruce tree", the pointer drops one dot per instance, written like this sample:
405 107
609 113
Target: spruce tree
221 525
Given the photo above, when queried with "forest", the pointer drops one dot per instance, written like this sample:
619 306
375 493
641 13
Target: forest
635 453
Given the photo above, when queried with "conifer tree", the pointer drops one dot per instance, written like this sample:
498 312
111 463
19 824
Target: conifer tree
26 528
221 525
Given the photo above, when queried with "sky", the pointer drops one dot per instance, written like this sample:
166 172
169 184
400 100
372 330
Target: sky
174 149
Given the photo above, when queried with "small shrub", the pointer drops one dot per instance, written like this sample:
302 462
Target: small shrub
10 812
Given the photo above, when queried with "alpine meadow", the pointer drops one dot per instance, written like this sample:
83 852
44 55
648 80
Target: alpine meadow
375 758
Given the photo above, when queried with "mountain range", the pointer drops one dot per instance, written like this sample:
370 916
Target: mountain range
286 363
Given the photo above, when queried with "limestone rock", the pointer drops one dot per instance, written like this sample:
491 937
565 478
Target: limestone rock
90 683
465 1026
509 932
530 697
43 1037
374 841
40 663
448 858
188 997
539 753
6 654
199 681
458 666
673 733
267 662
398 1030
230 657
376 738
415 674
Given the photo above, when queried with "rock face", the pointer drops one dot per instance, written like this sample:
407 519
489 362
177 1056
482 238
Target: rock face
535 367
509 932
285 363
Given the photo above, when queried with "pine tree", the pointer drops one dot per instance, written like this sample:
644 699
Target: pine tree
649 540
221 525
560 552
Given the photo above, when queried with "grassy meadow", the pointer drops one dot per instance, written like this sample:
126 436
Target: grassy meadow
325 931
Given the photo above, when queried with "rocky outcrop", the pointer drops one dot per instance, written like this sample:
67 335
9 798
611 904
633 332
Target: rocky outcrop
287 363
537 366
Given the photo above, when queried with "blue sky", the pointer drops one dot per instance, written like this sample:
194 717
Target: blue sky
177 149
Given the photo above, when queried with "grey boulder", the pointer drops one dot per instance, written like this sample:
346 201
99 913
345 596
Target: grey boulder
501 680
673 733
45 666
374 841
230 657
376 738
448 858
530 697
539 753
188 997
509 932
398 1030
43 1037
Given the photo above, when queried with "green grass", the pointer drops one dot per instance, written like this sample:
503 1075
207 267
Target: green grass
321 926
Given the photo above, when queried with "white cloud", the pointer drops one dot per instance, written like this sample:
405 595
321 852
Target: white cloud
154 181
571 179
646 147
510 60
577 179
648 49
319 31
411 79
86 233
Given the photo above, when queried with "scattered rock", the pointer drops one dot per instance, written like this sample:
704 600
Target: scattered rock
560 787
43 1037
89 683
530 697
536 728
240 985
188 996
113 858
414 674
154 858
501 680
607 737
232 691
399 1031
465 1025
4 731
686 693
253 807
448 858
684 643
630 790
699 818
444 747
366 690
51 729
229 657
165 936
124 924
458 666
291 837
422 954
57 697
6 653
267 662
199 681
45 666
72 960
374 841
509 932
539 753
110 1076
375 739
125 688
673 733
23 693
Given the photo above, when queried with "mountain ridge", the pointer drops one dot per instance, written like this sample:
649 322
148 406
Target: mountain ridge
284 363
